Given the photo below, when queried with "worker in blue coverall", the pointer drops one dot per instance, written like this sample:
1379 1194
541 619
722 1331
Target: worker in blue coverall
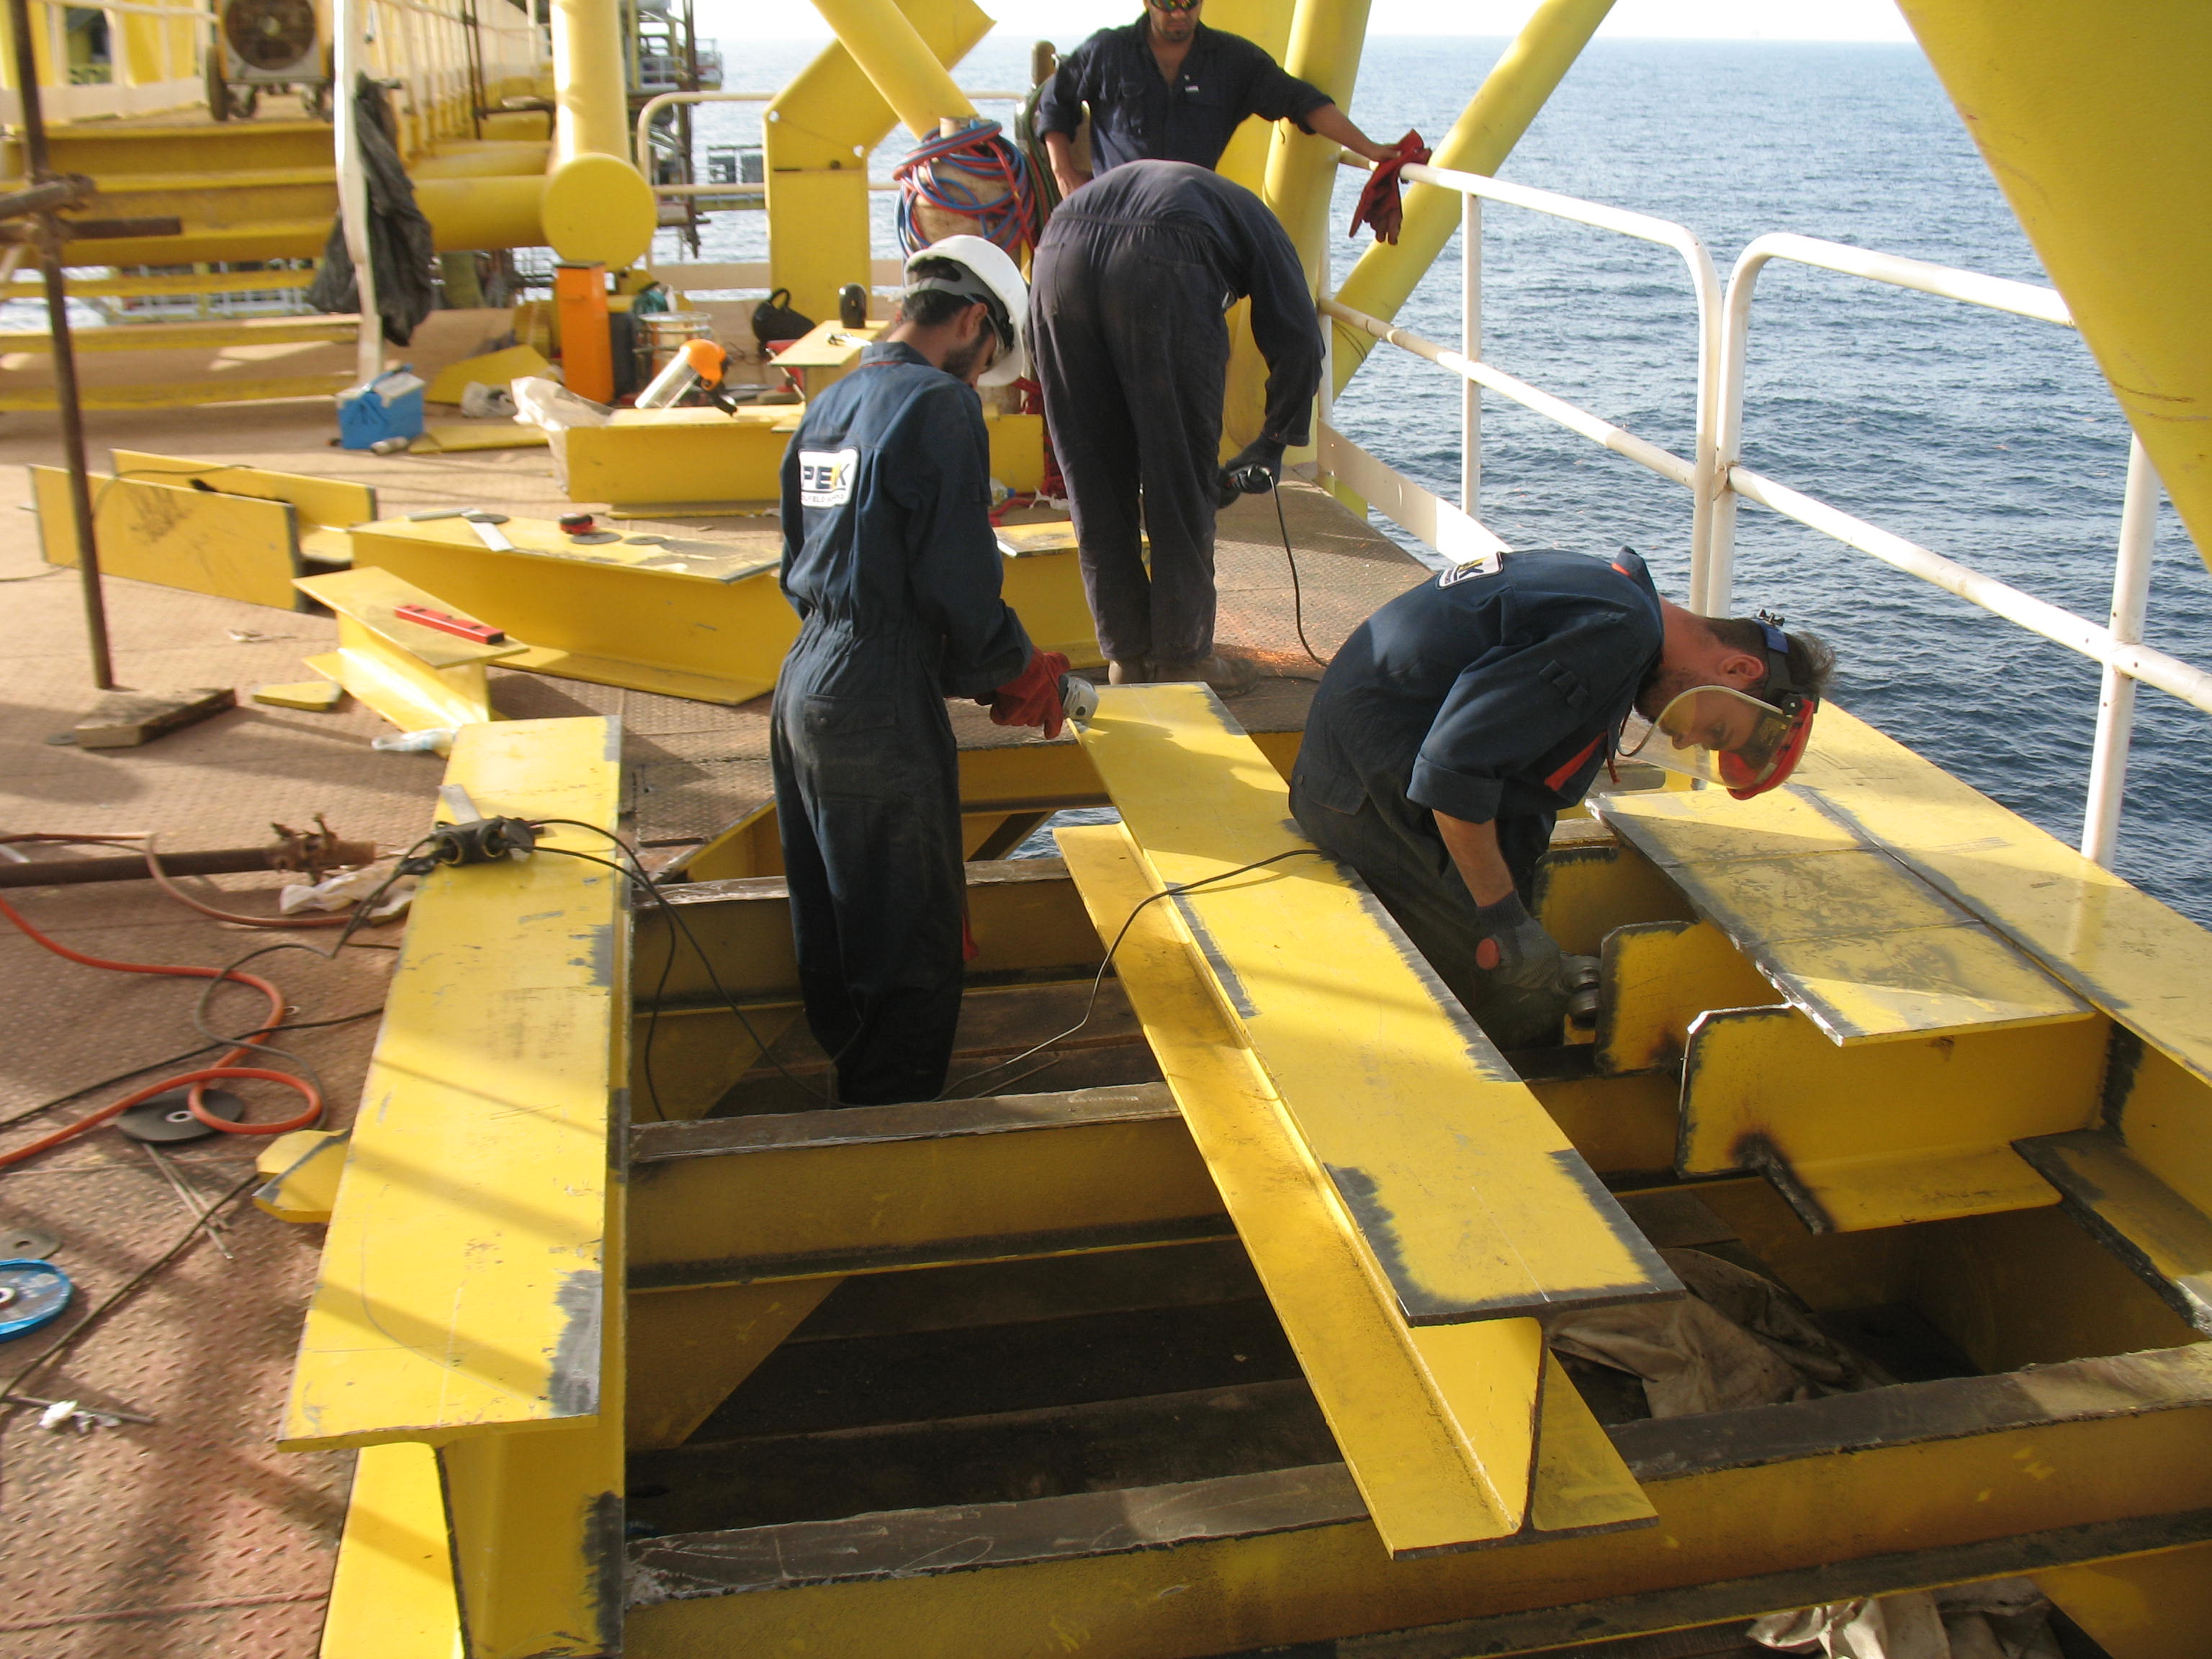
1168 89
891 560
1461 717
1133 277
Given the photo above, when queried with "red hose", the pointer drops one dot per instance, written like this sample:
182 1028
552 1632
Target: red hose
198 1080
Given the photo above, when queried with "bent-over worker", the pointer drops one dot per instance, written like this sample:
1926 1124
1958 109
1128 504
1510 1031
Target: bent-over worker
890 561
1168 89
1132 277
1461 717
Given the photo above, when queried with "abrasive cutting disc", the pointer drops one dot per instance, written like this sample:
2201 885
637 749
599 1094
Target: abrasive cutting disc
21 1244
31 1293
594 537
165 1118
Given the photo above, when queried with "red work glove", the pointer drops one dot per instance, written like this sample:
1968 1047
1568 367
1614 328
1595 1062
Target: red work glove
1379 205
1032 696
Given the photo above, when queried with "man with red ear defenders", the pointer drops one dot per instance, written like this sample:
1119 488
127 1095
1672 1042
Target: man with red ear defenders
1461 717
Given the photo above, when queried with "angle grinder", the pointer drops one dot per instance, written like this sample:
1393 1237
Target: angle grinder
1078 698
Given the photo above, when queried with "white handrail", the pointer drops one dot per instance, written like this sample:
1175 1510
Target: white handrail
661 102
1718 475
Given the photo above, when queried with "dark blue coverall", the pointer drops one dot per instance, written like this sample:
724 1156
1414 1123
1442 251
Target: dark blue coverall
1127 331
890 561
1489 697
1136 115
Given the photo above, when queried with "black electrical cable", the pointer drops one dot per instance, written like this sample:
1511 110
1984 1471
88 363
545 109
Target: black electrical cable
637 873
1297 593
1098 979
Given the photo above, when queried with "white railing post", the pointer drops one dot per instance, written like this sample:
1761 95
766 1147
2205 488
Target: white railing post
2116 703
1470 346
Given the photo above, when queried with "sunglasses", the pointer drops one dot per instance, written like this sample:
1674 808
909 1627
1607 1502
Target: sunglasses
1174 5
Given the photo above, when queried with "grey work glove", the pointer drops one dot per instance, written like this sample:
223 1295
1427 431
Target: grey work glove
1252 470
1524 999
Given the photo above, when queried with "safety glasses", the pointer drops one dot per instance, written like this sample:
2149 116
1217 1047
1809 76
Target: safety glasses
1174 5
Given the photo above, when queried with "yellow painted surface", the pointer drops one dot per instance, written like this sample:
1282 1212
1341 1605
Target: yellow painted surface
213 388
302 1168
2168 1239
227 545
458 437
694 619
391 1596
1867 949
1881 1134
2161 1111
494 368
419 679
897 62
1585 892
2101 140
1580 1480
668 457
187 337
1431 1478
1047 593
328 503
2132 956
827 345
819 134
2141 1607
1658 978
589 53
461 1287
689 1349
1472 1201
599 211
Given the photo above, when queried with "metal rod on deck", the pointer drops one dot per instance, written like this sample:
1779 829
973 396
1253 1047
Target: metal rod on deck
36 172
2115 703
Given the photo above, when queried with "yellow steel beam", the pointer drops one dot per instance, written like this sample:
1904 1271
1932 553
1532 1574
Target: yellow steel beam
2141 1607
225 281
2101 139
1658 977
323 503
227 545
689 1349
392 1595
419 679
897 62
1902 1488
805 1195
216 334
1438 1424
685 620
462 1287
1479 140
1468 1196
819 134
2133 958
2154 1228
1884 1135
1584 890
179 394
1868 949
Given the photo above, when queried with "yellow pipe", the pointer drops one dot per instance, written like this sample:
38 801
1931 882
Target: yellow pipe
1266 24
1479 143
817 134
490 160
2096 124
898 62
1326 39
591 107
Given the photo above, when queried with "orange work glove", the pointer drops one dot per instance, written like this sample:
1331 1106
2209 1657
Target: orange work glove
1379 205
1032 696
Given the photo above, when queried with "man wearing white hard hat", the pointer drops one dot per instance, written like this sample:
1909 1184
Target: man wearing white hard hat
890 561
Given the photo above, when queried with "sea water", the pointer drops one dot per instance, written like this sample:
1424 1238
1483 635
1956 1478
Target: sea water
1991 439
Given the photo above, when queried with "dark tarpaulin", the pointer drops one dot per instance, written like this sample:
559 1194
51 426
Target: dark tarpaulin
400 247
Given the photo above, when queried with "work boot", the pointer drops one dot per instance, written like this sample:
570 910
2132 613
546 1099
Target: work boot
1231 677
1137 671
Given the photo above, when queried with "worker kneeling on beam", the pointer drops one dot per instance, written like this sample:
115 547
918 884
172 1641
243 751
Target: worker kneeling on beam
1461 717
890 561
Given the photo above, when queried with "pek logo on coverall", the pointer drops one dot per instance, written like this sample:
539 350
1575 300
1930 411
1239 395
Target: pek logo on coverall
825 477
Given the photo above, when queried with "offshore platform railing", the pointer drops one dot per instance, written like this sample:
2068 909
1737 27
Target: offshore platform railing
1717 478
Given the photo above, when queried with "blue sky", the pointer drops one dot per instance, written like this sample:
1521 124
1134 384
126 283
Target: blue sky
1722 20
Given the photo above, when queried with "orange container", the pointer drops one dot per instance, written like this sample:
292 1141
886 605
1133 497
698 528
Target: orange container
587 357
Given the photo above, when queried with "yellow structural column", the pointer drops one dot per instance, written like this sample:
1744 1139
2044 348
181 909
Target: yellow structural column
1266 23
898 62
591 105
1478 142
2097 127
816 136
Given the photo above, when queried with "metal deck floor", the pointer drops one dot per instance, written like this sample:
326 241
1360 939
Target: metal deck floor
195 1535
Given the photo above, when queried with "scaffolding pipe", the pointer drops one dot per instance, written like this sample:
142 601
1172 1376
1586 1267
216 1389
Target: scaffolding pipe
1478 142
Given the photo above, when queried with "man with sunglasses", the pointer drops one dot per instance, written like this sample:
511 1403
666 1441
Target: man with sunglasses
1168 89
1460 718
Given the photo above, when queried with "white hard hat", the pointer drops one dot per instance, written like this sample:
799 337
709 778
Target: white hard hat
991 266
